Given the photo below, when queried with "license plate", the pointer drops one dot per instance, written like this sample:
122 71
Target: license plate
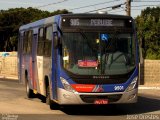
101 101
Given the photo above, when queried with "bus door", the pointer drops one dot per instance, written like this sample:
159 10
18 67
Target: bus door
33 66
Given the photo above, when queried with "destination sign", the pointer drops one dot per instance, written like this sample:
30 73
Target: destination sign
75 22
101 22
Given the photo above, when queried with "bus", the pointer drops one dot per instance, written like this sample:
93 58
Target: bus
75 59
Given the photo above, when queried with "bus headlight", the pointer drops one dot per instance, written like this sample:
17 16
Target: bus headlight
66 85
132 84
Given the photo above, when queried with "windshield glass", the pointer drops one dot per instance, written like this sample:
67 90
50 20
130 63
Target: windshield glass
96 53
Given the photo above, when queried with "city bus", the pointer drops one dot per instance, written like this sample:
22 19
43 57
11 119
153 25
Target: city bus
75 59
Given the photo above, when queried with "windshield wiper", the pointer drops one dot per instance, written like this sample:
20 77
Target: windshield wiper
82 34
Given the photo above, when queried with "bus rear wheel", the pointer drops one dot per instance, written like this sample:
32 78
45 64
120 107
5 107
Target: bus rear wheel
52 104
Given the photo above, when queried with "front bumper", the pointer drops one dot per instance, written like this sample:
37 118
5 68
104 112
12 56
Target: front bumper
66 97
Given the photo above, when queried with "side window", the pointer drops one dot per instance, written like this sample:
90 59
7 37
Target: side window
25 42
30 37
40 48
48 41
49 33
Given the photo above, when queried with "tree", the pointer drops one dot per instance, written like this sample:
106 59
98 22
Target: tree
12 19
148 29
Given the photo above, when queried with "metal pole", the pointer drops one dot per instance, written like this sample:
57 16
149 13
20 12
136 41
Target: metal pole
128 7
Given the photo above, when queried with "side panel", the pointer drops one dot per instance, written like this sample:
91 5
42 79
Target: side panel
36 67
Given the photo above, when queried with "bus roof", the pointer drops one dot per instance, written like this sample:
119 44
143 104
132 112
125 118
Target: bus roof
96 15
37 23
55 18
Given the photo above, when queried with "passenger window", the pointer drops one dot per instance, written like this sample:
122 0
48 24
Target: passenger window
48 41
24 43
49 33
29 37
40 49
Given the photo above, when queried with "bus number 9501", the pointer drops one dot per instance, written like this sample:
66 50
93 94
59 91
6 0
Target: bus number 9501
117 88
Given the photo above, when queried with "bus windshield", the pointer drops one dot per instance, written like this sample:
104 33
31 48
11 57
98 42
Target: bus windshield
96 53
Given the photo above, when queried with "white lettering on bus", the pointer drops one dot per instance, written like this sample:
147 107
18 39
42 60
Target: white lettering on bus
74 22
101 22
117 88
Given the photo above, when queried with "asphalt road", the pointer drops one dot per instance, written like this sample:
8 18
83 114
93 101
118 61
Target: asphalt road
14 105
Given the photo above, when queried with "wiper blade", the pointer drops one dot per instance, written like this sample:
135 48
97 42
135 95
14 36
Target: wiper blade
82 33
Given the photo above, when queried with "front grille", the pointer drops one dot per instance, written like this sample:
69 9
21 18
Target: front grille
92 98
100 79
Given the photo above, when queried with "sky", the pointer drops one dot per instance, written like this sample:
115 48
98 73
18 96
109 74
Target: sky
81 6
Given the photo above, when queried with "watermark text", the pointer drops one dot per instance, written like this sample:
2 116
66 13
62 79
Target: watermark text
143 117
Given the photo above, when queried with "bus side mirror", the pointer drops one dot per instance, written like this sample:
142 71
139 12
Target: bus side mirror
55 40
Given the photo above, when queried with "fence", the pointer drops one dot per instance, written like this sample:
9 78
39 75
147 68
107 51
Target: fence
8 65
150 72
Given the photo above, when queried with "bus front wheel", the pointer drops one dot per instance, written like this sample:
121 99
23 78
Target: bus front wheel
52 104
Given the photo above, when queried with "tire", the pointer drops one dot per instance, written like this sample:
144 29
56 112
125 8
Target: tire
29 91
52 104
48 100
